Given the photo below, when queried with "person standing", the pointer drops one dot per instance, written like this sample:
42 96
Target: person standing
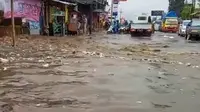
85 24
89 25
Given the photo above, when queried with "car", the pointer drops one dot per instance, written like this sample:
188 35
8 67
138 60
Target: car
182 27
193 29
142 26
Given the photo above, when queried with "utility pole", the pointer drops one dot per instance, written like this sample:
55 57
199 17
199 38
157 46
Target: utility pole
120 16
13 23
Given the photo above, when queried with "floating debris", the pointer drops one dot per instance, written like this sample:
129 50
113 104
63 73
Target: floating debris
45 65
180 63
161 106
188 64
139 102
2 60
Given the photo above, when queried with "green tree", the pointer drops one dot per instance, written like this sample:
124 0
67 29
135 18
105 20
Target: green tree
185 13
177 6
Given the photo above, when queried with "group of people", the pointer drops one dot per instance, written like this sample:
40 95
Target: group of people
84 25
116 25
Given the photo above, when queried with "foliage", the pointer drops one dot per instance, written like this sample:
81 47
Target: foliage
185 13
177 6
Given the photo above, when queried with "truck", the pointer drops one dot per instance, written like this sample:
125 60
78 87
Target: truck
142 26
170 22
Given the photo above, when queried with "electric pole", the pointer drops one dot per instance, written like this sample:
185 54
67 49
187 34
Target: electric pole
13 23
120 16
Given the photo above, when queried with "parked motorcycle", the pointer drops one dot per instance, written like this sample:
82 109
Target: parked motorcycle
124 30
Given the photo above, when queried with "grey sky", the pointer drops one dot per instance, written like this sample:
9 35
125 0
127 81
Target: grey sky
135 7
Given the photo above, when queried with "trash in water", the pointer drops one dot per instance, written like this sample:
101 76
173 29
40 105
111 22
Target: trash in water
171 37
195 66
166 46
184 78
180 63
166 36
5 68
38 105
188 64
2 60
101 55
45 65
139 102
40 61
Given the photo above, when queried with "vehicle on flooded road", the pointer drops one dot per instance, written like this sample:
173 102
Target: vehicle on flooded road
142 26
157 25
170 25
193 30
182 27
170 22
124 30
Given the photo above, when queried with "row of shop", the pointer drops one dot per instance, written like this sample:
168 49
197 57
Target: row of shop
50 17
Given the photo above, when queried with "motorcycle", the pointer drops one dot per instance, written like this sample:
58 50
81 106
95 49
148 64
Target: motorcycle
110 30
124 30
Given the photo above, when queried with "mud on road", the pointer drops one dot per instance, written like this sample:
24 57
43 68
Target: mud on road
110 73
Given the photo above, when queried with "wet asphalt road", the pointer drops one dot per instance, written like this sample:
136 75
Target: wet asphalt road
117 83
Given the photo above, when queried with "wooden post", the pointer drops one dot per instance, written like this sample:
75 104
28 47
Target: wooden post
13 23
112 11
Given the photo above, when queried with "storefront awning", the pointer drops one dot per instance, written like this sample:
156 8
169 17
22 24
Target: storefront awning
63 2
85 1
99 11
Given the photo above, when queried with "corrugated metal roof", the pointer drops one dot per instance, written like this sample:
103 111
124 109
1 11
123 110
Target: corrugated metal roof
99 11
64 2
84 1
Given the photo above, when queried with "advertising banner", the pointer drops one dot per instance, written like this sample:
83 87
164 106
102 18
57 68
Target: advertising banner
115 9
29 9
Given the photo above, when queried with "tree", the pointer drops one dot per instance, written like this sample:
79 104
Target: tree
177 6
187 10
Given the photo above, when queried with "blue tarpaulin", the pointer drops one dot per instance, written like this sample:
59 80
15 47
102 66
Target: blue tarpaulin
170 14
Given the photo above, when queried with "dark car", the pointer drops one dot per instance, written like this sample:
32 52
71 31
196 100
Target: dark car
193 29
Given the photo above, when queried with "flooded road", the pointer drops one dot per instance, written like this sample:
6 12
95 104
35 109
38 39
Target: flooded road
107 73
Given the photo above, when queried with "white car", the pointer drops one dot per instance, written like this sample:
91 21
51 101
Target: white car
182 27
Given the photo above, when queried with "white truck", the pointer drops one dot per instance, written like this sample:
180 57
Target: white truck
142 26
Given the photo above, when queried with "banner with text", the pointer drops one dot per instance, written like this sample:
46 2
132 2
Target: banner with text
115 9
29 9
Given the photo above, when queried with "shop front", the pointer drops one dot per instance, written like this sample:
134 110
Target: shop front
27 11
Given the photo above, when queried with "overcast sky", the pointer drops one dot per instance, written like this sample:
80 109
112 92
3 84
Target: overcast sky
135 7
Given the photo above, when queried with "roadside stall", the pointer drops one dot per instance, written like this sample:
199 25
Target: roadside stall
73 23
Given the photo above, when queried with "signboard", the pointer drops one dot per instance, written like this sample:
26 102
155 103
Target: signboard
115 9
157 13
29 9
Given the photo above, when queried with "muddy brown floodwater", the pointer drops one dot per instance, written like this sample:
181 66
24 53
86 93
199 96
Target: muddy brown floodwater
105 73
